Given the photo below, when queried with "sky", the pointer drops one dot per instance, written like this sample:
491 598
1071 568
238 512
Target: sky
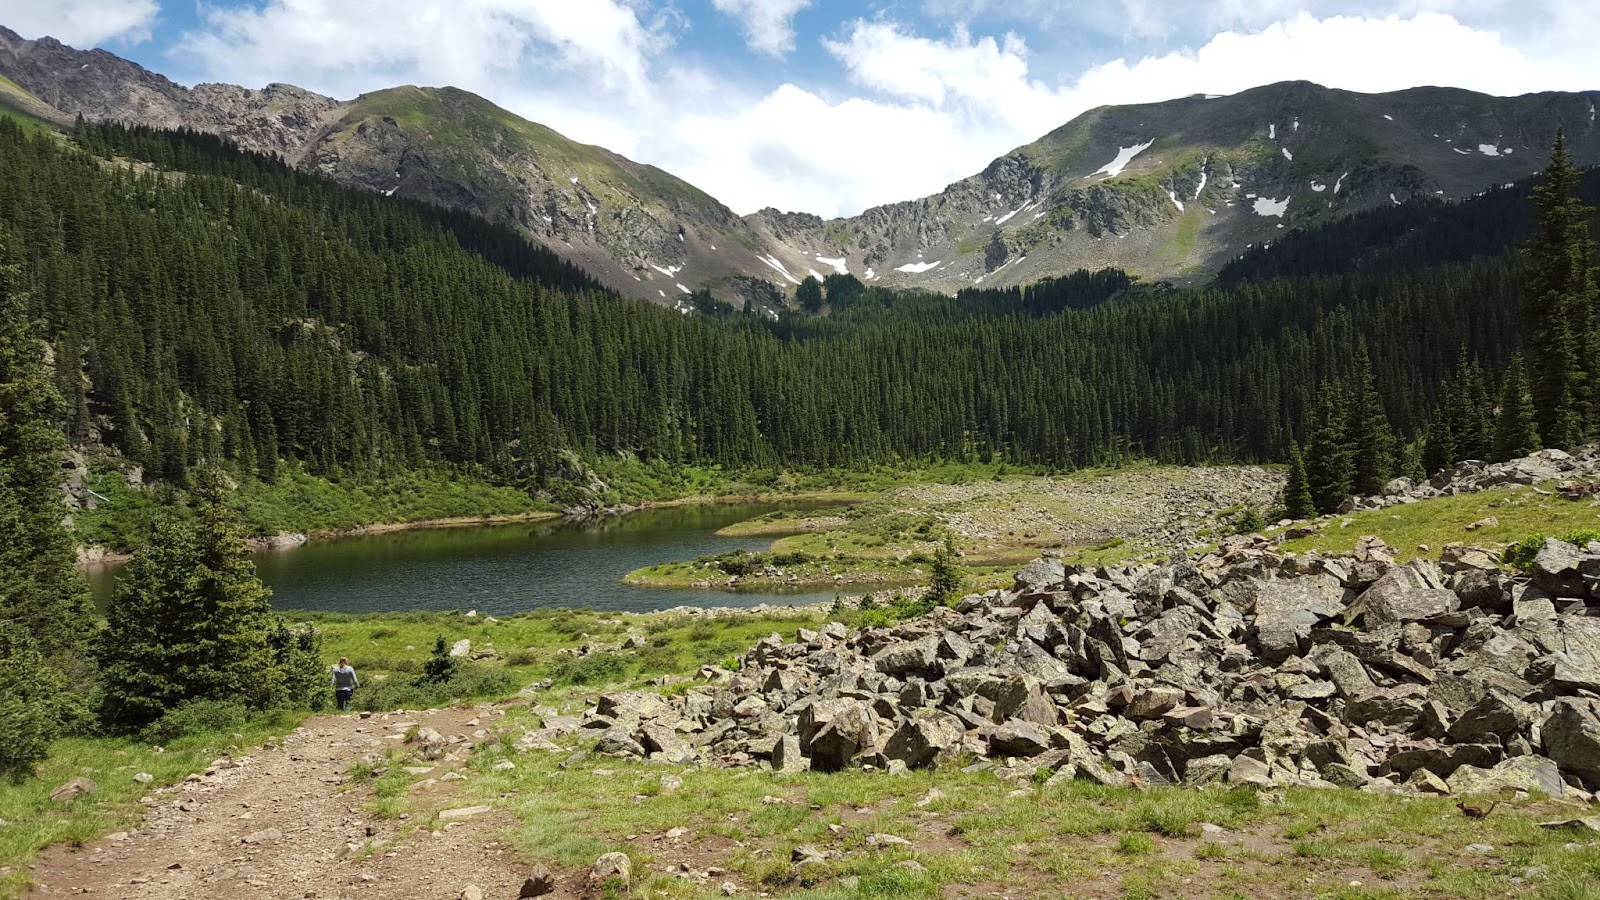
826 106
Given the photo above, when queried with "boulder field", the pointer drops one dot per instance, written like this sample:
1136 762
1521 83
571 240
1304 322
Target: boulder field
1241 666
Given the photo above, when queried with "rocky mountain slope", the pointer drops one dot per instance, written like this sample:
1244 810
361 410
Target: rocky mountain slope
1168 190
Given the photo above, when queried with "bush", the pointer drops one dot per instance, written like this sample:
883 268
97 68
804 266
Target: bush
1520 555
596 668
197 717
30 702
468 682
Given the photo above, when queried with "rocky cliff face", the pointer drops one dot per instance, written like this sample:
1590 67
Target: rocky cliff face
1167 190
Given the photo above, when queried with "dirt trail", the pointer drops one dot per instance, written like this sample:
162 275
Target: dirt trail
281 823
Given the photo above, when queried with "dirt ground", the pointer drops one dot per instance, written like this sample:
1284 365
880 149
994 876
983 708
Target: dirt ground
285 822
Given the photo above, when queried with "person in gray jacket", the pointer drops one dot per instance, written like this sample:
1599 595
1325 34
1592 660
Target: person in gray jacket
345 683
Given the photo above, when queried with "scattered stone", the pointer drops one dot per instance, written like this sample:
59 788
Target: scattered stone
1587 823
886 840
461 648
471 891
144 778
68 791
464 812
612 868
264 836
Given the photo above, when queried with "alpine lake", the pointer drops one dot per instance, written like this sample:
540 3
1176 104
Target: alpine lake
504 569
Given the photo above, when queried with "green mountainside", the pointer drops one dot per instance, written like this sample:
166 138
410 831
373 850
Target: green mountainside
211 307
1168 191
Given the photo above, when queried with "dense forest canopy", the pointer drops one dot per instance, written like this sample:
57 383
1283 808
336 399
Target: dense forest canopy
210 306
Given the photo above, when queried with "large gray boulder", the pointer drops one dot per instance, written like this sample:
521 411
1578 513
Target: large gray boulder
924 737
1578 666
1409 593
832 732
1521 773
1555 569
1287 610
1497 718
1571 737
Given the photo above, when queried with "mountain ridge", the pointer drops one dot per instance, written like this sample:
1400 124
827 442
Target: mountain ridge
1171 190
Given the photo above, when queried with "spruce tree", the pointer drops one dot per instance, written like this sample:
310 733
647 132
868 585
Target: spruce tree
1297 502
945 574
1330 464
1559 297
31 692
1367 432
40 588
1515 432
188 621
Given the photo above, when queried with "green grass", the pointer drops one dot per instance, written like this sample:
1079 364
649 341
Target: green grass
1042 842
1521 511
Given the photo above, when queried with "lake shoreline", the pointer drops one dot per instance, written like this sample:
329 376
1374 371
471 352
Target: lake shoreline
92 556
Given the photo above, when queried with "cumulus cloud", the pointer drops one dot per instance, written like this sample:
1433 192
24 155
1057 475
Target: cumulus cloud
768 24
905 113
81 23
475 44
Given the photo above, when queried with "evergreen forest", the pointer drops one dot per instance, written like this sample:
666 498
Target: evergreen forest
208 307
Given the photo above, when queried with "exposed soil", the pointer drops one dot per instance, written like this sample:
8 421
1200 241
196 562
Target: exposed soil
209 836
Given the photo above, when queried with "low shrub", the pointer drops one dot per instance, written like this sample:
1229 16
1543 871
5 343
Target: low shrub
596 668
198 717
1520 555
468 683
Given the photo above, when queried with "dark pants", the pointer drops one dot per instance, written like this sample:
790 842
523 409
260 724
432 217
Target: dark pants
343 696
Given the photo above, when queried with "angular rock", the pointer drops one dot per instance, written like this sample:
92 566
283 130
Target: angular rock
1521 773
786 757
1040 574
1571 737
1018 738
1578 665
1287 610
612 868
1495 719
832 732
77 787
1406 594
1555 569
924 737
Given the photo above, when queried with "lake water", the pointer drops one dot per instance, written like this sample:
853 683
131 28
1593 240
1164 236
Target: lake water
504 569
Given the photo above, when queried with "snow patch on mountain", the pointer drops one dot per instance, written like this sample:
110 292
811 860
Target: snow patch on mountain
1489 149
838 265
1286 154
773 262
1173 196
1125 155
1266 206
917 268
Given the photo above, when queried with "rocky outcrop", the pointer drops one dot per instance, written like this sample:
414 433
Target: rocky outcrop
1242 666
1575 475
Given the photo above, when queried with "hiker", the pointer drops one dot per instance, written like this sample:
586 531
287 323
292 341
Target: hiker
345 683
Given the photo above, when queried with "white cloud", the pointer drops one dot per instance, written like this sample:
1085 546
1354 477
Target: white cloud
910 113
81 23
768 24
480 45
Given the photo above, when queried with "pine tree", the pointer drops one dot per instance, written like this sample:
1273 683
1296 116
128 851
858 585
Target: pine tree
1367 432
1330 463
40 588
31 691
188 621
1559 296
945 574
809 295
440 667
1515 432
1297 491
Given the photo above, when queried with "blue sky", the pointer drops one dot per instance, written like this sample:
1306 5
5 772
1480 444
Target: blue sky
829 106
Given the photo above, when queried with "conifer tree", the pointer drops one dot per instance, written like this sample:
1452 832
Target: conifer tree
1559 296
1297 502
40 588
945 574
1515 432
31 692
1367 432
1330 464
809 295
188 620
